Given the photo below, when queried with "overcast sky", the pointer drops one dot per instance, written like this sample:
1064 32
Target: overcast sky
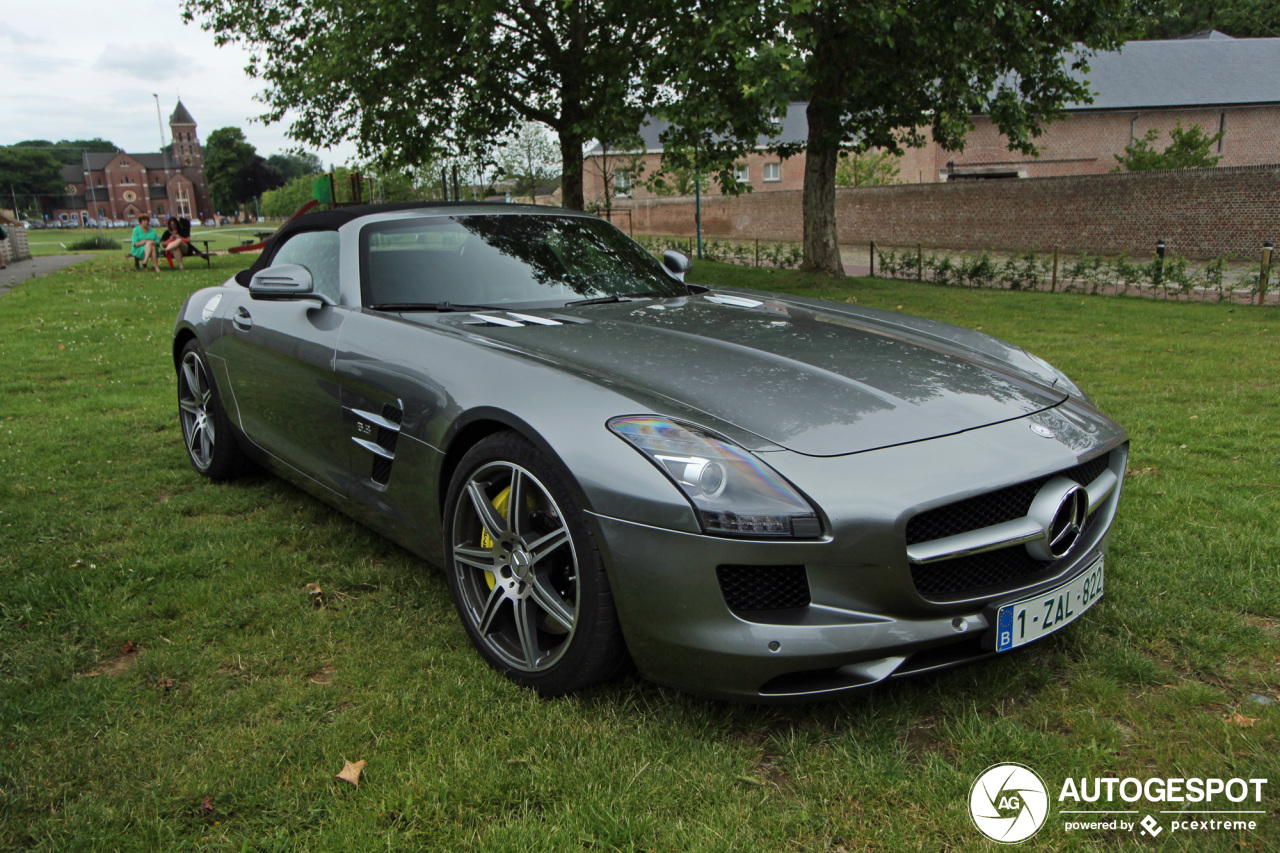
79 69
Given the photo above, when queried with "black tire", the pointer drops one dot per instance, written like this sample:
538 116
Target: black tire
206 429
528 583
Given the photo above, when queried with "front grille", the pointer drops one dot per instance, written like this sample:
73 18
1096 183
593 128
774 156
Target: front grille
755 588
989 572
994 507
992 571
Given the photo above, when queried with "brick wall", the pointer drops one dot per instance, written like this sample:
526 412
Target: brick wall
1198 212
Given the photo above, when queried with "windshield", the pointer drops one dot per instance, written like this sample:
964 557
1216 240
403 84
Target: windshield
505 260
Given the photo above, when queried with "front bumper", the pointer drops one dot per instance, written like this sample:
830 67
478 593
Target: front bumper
865 622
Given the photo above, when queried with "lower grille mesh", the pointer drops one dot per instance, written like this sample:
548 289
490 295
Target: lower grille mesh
754 588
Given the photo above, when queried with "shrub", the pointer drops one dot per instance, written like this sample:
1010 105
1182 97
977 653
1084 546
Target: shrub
93 243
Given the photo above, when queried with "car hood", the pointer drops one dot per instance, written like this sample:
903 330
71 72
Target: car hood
817 380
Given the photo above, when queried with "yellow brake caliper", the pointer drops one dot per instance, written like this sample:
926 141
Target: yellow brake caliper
486 541
500 504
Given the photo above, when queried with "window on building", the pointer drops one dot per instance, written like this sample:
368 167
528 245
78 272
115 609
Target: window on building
773 171
742 172
622 184
160 210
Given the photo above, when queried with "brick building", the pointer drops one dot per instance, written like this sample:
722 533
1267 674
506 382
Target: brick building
1212 80
123 186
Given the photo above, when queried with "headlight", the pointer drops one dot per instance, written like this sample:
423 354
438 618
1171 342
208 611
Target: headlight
733 492
1056 377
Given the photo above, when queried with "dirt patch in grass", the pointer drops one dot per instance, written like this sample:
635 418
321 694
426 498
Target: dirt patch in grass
118 665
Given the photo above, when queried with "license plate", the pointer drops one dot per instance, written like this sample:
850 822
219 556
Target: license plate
1024 621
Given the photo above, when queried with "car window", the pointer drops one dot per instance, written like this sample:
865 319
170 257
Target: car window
507 260
318 252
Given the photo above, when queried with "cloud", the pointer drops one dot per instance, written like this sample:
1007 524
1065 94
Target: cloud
18 38
153 62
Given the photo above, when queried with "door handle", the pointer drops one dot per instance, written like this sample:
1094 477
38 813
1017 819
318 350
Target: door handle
242 320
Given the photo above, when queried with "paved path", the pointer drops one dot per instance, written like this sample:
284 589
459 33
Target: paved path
20 271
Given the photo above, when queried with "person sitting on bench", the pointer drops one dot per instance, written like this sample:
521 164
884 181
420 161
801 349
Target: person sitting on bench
145 243
176 240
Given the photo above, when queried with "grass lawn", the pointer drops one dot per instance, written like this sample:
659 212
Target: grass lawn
55 241
240 699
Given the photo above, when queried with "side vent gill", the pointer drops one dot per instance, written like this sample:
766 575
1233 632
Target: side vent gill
379 434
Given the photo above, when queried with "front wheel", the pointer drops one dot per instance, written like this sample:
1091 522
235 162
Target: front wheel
206 429
524 572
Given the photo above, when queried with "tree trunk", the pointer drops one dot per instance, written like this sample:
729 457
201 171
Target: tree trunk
821 245
571 162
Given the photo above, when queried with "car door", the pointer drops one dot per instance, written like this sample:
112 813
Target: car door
280 362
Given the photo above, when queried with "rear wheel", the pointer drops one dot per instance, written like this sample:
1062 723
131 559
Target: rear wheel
206 429
524 572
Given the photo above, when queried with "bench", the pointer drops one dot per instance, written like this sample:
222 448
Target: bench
206 255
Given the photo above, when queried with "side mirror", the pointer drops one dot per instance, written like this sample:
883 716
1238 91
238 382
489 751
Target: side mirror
286 281
677 263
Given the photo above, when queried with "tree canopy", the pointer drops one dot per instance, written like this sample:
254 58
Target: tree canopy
291 166
29 176
235 171
882 73
69 152
1239 18
411 81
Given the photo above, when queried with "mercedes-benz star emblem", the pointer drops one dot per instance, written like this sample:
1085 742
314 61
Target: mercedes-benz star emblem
1060 507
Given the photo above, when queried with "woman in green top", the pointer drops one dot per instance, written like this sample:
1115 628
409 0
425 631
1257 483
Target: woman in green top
145 240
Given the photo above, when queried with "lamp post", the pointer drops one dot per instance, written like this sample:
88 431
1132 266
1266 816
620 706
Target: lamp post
1159 276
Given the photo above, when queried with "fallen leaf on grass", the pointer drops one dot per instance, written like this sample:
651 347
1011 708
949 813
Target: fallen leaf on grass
129 648
316 593
1143 472
206 807
1241 720
351 772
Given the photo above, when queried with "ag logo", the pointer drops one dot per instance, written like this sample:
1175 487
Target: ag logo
1008 803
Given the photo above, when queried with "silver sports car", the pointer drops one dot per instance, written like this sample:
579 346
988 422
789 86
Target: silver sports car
749 495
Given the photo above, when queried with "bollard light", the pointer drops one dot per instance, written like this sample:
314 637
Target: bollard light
1266 252
1160 249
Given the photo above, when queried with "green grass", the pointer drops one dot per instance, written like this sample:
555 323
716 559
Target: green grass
57 241
225 729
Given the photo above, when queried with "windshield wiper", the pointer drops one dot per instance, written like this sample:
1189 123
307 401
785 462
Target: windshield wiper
427 306
602 300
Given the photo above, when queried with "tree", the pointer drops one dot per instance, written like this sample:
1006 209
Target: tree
878 75
529 157
282 202
867 169
31 177
1239 18
292 166
413 80
69 152
234 170
1187 149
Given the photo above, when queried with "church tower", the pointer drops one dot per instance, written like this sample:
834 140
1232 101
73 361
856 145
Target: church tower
186 143
188 190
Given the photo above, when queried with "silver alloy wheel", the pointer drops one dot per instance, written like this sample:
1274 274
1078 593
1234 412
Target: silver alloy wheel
516 571
195 398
